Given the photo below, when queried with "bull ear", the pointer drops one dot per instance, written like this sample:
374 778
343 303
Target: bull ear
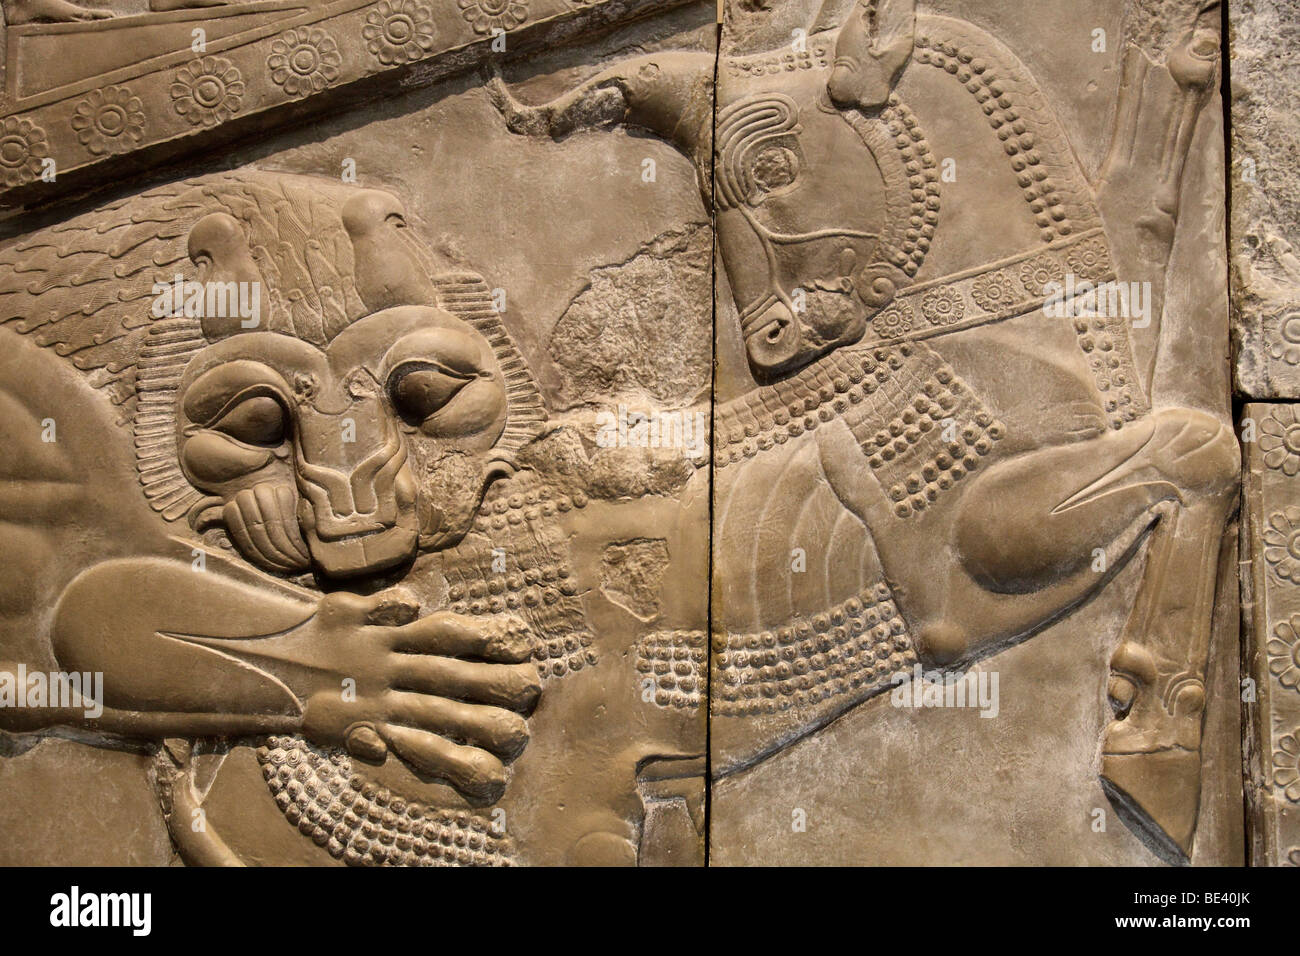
895 27
878 35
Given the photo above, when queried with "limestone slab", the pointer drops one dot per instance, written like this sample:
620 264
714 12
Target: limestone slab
373 554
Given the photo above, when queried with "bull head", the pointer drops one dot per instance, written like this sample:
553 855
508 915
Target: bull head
754 130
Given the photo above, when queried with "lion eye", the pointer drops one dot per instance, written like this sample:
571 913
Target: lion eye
255 421
418 389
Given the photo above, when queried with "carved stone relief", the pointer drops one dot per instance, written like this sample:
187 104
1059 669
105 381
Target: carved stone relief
496 432
984 499
888 494
1272 538
86 84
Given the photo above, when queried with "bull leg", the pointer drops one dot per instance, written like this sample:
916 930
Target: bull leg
1025 531
1151 752
1156 119
1024 536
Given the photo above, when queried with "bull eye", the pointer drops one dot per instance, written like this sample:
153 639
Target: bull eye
775 168
419 389
258 420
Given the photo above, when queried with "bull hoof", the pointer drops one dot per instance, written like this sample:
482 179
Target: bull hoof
1158 795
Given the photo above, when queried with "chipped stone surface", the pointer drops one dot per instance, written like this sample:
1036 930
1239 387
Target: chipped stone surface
622 338
1263 35
632 575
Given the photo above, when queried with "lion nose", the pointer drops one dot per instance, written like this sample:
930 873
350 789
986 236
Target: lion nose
359 499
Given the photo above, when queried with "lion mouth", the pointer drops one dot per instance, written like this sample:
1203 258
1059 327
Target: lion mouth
364 553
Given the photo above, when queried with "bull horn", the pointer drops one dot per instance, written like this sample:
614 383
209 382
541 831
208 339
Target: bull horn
669 94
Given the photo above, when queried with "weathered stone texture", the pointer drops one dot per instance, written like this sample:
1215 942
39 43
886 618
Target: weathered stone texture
1264 36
